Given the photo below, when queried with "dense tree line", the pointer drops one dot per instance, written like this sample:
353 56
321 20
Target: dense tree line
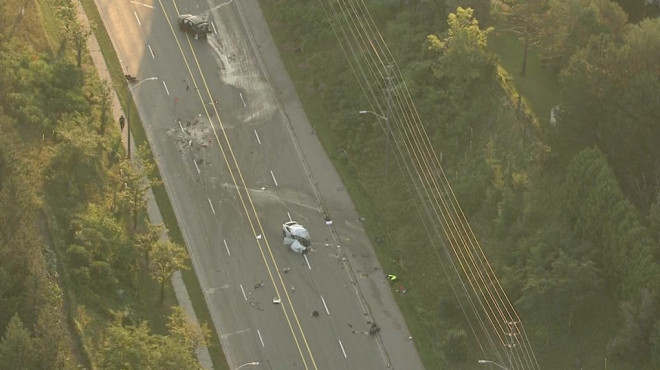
75 244
568 212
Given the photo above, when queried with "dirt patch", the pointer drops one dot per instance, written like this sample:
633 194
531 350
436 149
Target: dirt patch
291 45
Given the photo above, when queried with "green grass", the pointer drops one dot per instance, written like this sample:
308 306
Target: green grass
50 24
166 210
377 217
539 87
382 206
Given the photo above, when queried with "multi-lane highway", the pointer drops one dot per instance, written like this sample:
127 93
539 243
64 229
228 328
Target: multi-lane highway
239 158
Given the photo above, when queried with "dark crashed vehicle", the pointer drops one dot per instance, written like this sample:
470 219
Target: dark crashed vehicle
194 25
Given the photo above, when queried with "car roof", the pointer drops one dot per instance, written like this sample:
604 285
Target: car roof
195 19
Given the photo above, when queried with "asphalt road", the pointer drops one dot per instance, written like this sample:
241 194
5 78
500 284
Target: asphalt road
238 158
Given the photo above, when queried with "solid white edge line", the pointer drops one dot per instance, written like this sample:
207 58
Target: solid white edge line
166 89
342 348
181 126
196 166
211 204
325 305
152 52
141 4
138 18
273 176
289 214
214 30
257 135
306 260
226 247
261 339
243 100
243 290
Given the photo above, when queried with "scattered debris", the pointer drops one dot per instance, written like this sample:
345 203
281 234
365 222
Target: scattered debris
293 289
286 269
315 314
362 219
258 285
379 239
374 329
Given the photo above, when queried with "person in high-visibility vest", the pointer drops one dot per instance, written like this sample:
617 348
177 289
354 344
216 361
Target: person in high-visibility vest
391 277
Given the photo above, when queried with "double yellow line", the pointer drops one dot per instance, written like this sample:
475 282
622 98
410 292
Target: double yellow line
256 229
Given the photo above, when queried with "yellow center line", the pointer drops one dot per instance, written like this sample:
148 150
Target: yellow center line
245 208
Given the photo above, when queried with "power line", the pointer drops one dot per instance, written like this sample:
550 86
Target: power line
376 71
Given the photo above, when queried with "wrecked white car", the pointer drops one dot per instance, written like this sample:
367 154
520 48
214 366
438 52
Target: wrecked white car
296 236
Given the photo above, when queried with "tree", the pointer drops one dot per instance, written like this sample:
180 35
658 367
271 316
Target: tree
73 30
145 241
633 343
609 99
127 347
98 94
17 347
167 257
135 347
76 172
654 218
78 34
99 249
568 26
525 19
51 339
463 56
634 8
172 355
465 72
191 335
134 183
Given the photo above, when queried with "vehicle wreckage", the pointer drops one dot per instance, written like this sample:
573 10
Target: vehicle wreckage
296 237
195 25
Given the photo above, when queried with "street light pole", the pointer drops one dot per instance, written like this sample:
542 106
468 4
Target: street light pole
249 363
128 110
494 363
387 138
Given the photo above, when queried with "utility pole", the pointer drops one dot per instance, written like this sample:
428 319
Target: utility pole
511 334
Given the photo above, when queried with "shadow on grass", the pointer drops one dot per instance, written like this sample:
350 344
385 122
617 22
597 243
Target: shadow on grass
539 87
139 136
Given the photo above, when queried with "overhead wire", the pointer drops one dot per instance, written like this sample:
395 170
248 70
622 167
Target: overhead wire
445 229
367 92
358 35
379 78
452 263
